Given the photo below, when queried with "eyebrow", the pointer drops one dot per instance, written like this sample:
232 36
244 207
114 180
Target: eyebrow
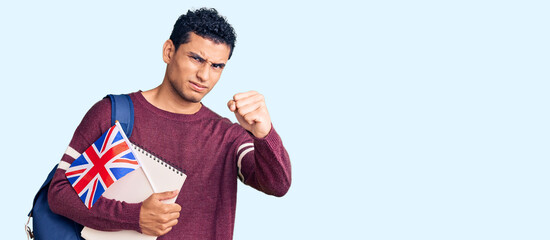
222 65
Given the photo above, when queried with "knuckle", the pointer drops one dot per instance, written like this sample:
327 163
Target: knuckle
155 196
166 226
240 103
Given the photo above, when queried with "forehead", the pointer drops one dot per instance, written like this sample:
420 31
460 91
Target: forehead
206 48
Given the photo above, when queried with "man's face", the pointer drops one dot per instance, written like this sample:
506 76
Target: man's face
195 67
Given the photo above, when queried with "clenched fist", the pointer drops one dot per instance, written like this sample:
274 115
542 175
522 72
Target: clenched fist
251 112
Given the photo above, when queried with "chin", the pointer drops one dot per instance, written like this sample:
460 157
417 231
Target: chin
193 98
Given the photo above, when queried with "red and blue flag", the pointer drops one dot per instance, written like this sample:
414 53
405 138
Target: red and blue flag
108 159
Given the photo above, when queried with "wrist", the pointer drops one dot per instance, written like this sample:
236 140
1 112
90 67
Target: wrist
262 133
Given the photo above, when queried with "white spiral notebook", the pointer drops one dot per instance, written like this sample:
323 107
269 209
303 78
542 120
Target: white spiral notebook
154 175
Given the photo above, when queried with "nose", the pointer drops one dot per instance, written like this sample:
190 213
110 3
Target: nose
204 72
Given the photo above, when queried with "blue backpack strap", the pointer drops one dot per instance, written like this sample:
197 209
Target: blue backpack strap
44 186
122 109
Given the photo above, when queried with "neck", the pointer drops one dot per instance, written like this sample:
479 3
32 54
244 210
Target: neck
167 99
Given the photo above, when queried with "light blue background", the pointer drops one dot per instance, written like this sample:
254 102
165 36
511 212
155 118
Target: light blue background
403 119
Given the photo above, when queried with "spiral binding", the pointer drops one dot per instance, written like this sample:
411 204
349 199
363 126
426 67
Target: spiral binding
163 162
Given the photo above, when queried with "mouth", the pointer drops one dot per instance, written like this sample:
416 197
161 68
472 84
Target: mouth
197 86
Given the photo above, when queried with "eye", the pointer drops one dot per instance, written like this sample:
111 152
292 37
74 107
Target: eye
197 58
218 66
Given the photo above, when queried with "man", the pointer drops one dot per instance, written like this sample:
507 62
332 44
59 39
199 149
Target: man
171 122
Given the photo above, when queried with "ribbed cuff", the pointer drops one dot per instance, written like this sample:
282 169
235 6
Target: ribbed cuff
122 216
132 211
272 139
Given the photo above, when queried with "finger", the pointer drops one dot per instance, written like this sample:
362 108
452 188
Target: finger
239 96
169 208
167 218
166 227
231 105
166 195
257 98
253 117
163 231
171 223
244 110
174 215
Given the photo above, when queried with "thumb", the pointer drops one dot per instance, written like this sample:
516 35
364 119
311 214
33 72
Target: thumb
231 105
166 195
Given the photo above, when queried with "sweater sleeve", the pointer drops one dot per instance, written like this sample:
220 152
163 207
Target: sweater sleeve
106 214
264 164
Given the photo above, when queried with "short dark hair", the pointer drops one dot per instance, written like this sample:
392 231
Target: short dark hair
207 23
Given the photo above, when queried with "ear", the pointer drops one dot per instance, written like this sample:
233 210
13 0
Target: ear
168 51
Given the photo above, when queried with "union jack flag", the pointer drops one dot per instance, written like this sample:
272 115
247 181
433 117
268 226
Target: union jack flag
108 159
